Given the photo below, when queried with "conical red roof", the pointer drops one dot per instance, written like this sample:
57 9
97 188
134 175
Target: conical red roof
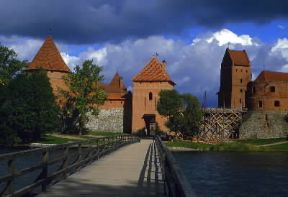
154 71
48 58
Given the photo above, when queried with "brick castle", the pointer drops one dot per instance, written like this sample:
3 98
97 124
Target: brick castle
132 111
268 92
122 110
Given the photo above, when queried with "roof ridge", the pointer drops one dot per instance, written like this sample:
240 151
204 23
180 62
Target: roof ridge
268 75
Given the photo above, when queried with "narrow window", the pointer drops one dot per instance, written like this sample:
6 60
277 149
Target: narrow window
241 80
150 96
272 88
240 100
254 90
246 71
260 104
277 103
241 90
236 70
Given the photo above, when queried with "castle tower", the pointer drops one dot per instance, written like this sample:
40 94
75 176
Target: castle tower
147 85
234 78
49 59
116 93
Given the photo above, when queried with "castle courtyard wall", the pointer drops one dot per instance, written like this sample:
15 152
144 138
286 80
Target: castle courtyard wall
110 120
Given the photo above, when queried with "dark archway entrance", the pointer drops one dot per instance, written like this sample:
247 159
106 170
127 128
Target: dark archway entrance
150 124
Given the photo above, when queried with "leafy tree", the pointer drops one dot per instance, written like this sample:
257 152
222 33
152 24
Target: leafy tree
191 115
84 95
169 103
9 65
182 111
29 108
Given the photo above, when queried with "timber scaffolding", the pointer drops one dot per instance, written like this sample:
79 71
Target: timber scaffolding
220 124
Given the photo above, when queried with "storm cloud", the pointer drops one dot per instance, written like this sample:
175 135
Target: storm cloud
89 21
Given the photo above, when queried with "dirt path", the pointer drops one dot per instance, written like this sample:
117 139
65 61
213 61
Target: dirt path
272 144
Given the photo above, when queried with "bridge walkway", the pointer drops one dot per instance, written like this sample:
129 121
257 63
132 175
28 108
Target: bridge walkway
133 170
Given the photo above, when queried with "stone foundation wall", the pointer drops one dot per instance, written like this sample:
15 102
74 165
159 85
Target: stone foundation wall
108 120
263 125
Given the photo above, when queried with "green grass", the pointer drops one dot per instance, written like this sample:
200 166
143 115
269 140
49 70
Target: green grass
188 144
103 133
263 141
58 138
51 139
278 147
231 146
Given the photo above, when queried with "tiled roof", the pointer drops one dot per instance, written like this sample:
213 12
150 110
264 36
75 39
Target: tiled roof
239 58
116 89
117 82
48 58
268 76
154 71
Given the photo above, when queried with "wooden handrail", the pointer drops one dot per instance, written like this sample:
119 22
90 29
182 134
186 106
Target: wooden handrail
175 182
81 153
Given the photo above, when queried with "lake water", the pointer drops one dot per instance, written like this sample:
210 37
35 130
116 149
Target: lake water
29 160
235 174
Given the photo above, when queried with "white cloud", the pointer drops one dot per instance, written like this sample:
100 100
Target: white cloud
225 37
99 56
24 47
194 67
280 48
71 61
284 68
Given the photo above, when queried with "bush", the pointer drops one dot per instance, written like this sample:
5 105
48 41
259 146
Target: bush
183 112
8 136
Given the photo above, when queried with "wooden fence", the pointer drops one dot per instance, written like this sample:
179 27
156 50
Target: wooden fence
175 183
54 163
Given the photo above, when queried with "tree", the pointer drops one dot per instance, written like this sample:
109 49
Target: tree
84 95
29 108
9 65
182 111
192 115
169 105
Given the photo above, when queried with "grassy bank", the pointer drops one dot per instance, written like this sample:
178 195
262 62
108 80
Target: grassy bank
57 138
241 145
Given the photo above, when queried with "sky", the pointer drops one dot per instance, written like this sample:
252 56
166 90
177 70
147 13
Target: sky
122 35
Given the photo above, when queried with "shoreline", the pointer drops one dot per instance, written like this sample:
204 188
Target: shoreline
183 149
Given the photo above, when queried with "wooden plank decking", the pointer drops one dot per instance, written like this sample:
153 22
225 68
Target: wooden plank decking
133 170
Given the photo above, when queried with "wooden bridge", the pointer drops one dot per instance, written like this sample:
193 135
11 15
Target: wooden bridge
132 168
220 124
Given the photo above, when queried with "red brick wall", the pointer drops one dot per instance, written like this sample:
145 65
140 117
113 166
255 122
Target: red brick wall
261 93
142 105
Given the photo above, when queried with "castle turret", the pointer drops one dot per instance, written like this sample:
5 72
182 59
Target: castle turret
49 59
234 78
147 85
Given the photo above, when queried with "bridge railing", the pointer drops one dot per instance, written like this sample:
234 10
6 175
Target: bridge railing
175 182
45 166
